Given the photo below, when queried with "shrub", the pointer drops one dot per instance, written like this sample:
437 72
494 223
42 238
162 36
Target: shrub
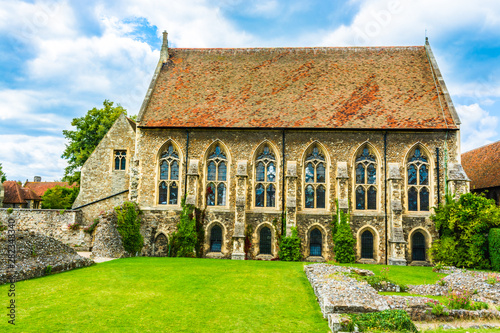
183 241
438 267
90 229
493 279
129 224
48 270
343 238
463 225
494 247
10 210
438 309
290 247
462 300
387 320
59 197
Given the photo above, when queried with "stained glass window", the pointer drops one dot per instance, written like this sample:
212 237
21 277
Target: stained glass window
169 186
120 159
418 181
216 176
316 243
216 239
265 178
366 180
367 245
265 241
315 175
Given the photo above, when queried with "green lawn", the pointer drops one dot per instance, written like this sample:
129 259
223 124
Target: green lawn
403 274
169 295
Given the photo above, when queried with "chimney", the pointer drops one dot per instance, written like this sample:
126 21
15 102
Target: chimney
164 48
37 179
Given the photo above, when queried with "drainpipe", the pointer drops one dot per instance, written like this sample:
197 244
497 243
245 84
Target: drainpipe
282 179
438 177
186 164
385 197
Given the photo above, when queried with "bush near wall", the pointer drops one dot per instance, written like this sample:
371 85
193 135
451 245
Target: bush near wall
494 247
343 238
183 242
290 247
129 225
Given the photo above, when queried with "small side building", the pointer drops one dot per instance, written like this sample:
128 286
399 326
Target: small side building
16 196
482 165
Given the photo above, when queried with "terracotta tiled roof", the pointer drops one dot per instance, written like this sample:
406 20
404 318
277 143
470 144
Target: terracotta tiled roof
16 194
40 187
482 165
360 87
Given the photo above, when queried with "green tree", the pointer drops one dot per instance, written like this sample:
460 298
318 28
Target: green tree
183 241
342 237
90 129
464 225
59 197
3 177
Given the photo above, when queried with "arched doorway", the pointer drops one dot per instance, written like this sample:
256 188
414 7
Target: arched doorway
316 243
367 245
265 241
418 246
161 246
216 239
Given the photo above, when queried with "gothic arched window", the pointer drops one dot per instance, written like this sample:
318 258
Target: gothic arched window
168 184
366 180
315 179
418 246
367 245
265 179
216 178
216 239
418 181
265 241
316 243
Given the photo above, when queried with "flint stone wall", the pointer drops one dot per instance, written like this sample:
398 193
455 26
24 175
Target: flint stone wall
34 252
50 222
107 239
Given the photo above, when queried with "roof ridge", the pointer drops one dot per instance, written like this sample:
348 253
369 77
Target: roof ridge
298 48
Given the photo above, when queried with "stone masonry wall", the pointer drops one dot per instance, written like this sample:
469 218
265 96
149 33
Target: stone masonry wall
50 222
339 147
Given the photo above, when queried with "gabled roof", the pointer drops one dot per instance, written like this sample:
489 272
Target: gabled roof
16 194
482 165
344 87
40 187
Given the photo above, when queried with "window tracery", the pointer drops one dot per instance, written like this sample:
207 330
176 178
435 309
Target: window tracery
418 181
216 178
366 180
265 179
315 179
168 185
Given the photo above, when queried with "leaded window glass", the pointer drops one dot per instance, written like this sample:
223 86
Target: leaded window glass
265 241
216 190
366 180
316 243
315 179
367 245
120 159
418 181
265 178
418 246
216 239
168 187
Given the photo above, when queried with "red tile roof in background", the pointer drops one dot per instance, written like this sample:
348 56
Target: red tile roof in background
360 87
482 165
40 187
16 194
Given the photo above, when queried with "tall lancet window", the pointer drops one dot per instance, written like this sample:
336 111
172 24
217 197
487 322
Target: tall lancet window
366 180
168 184
216 190
315 179
417 169
265 178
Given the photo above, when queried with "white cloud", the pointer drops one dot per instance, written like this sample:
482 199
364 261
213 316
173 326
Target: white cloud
27 156
478 126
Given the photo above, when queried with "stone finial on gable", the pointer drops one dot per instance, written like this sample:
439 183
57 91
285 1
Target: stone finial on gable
164 48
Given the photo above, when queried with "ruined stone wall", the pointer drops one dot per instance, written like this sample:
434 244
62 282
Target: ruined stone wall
92 211
340 148
50 222
99 179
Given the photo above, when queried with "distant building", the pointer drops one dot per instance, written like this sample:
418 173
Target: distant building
14 195
482 165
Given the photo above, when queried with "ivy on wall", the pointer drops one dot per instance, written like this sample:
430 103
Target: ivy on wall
129 225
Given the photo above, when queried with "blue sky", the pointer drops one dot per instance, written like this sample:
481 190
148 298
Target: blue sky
59 59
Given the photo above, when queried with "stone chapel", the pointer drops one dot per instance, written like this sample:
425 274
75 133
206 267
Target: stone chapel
253 134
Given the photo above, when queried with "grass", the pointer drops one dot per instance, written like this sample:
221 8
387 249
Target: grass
403 274
169 295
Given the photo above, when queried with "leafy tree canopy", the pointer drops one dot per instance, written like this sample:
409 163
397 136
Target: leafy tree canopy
90 129
464 225
59 197
3 177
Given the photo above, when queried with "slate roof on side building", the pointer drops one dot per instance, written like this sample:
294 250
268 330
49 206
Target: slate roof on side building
344 87
482 165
